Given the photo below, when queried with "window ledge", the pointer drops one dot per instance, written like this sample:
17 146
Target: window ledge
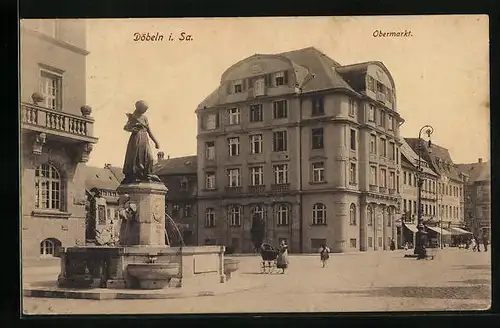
317 182
208 190
50 214
318 225
210 227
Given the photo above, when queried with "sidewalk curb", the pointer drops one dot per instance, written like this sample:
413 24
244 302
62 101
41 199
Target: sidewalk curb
109 294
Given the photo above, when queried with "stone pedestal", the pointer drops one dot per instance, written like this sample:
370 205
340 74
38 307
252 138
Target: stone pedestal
148 226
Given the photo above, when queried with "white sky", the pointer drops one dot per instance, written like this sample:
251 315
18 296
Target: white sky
441 72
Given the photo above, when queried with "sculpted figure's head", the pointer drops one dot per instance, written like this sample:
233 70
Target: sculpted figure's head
141 106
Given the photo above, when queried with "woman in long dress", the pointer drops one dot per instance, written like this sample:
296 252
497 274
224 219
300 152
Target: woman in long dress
282 259
138 165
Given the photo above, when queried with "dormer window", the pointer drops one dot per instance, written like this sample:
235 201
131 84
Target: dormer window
238 87
184 184
281 78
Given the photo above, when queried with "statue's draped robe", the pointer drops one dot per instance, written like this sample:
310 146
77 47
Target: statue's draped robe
139 158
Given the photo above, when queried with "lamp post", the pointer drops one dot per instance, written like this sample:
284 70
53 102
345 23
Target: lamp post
421 234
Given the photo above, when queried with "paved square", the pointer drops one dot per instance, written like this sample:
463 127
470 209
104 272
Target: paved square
372 281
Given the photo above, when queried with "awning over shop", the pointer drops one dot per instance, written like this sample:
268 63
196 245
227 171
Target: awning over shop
459 231
411 227
438 230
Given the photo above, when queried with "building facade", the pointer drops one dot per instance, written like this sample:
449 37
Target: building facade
102 201
56 135
409 194
477 204
309 145
449 184
180 176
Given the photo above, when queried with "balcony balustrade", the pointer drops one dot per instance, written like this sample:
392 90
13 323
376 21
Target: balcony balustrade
281 187
382 190
392 191
234 190
45 120
373 188
258 189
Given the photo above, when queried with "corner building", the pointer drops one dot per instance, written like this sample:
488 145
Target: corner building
308 144
56 135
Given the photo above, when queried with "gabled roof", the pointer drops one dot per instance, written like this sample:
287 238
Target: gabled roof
100 178
176 166
117 171
477 172
412 157
438 157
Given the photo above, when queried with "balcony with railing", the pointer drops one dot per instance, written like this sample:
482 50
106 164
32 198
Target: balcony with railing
392 191
233 190
45 120
373 188
257 189
382 190
280 187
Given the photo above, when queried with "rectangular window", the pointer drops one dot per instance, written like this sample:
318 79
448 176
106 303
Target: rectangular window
234 146
101 214
404 177
352 173
353 139
210 218
371 113
318 170
280 141
383 147
383 178
373 144
210 150
280 173
370 85
379 241
382 122
280 109
317 106
281 78
370 242
51 89
234 216
233 177
414 206
352 242
234 116
210 180
256 143
353 107
397 183
392 178
257 175
404 205
238 86
256 114
317 138
390 123
211 121
392 151
373 175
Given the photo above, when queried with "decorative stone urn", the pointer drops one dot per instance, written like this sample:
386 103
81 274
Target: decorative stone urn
230 266
153 275
37 98
86 110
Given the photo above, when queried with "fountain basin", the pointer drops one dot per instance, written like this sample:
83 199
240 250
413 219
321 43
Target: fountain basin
153 275
230 266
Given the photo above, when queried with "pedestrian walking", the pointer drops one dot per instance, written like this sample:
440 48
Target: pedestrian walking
282 259
324 254
393 244
485 243
473 244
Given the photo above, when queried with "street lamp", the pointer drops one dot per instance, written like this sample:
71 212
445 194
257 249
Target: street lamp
421 234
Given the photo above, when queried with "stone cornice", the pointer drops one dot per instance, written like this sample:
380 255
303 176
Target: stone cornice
57 42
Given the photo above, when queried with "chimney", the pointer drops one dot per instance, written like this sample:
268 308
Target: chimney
160 155
480 160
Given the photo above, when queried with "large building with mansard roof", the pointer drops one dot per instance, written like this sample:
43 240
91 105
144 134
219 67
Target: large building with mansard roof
310 145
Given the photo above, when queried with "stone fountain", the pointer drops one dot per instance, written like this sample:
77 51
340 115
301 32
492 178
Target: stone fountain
140 258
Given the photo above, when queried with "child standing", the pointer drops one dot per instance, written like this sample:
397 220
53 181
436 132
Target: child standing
324 254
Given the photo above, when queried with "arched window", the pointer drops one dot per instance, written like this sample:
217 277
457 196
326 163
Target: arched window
209 218
282 213
48 247
258 210
234 214
369 212
319 214
48 188
352 215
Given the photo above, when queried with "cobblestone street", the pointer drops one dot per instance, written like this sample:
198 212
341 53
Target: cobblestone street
373 281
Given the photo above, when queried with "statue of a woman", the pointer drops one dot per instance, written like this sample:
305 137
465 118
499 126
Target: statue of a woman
138 166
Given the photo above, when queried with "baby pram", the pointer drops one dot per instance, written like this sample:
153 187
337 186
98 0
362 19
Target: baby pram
269 255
